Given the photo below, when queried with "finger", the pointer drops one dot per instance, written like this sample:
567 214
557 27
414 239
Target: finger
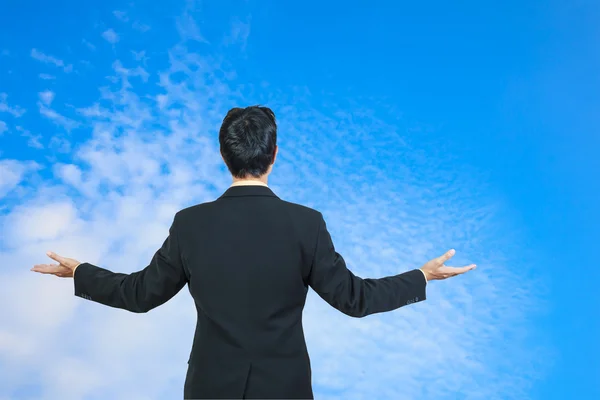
445 257
56 257
47 268
453 271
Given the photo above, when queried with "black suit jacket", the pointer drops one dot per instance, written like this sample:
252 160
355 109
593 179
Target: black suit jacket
248 259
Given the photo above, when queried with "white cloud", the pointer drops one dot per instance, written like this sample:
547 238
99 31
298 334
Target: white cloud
57 118
3 127
187 27
60 144
136 25
46 77
12 173
110 36
34 140
112 201
121 15
48 59
240 31
58 218
140 56
46 97
15 111
140 27
89 45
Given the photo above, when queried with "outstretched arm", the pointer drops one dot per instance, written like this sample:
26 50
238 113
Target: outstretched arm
358 297
137 292
355 296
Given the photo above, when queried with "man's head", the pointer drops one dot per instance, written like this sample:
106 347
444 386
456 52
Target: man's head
248 141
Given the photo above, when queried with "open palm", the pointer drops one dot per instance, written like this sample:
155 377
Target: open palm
64 268
436 269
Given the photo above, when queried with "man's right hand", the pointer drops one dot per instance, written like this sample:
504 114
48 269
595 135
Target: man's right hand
436 270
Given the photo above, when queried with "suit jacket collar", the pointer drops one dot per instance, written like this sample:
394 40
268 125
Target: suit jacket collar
248 190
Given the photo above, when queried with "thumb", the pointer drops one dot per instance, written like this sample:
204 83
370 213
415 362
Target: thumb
56 257
445 257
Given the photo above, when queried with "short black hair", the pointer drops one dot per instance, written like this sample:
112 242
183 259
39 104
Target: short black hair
248 137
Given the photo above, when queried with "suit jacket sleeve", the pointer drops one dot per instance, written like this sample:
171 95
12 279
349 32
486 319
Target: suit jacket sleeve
139 291
354 296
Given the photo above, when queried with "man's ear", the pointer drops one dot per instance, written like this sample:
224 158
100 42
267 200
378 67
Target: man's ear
275 154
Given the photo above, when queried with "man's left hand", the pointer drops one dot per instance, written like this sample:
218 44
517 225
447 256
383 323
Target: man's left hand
64 268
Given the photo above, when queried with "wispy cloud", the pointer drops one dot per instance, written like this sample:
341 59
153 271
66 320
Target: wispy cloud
140 27
57 118
33 140
187 26
89 45
46 97
139 55
121 15
110 36
46 77
15 111
12 172
3 127
48 59
240 30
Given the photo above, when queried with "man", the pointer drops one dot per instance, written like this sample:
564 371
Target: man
248 259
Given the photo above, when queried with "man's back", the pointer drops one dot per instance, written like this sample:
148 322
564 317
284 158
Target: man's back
248 255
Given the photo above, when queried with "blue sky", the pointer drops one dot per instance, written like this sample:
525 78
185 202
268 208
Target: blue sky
414 128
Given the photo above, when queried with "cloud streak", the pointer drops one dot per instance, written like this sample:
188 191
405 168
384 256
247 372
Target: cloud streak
46 97
48 59
59 119
121 15
240 31
12 172
110 36
5 107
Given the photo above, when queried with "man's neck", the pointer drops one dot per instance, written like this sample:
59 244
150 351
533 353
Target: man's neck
249 182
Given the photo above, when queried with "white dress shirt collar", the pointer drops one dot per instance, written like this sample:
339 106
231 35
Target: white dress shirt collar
249 183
